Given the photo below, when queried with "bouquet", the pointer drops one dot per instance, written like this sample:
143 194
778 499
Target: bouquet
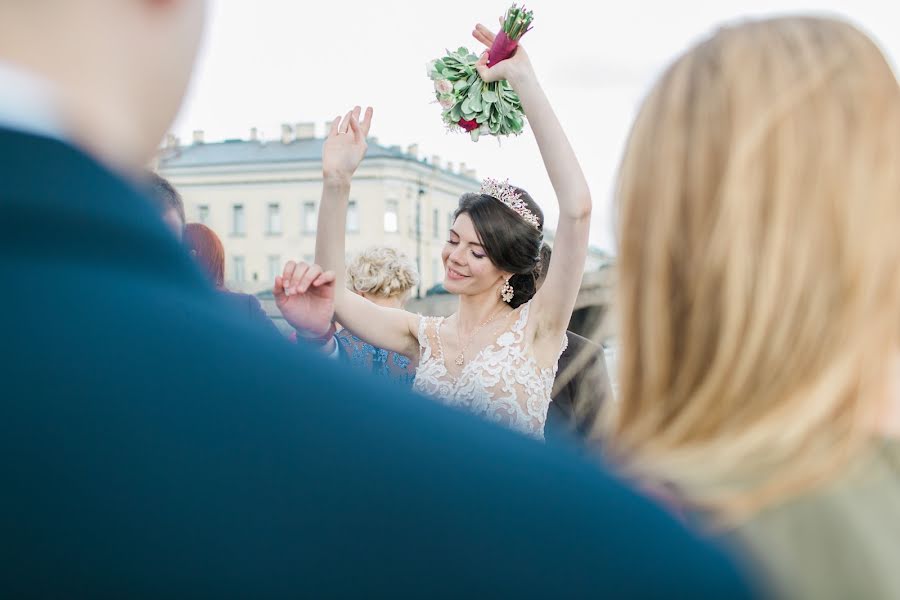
468 103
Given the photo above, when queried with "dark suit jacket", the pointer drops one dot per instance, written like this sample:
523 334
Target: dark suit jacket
249 308
153 443
582 388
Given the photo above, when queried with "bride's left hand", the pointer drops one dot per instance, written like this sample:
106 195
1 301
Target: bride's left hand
513 69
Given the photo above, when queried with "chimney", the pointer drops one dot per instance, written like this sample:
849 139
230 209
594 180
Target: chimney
450 166
413 150
327 128
436 161
287 134
462 168
254 134
171 141
471 174
198 136
373 140
305 131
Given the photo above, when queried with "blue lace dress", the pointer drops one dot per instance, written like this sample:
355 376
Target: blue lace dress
377 361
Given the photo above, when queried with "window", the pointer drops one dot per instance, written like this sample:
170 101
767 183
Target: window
391 217
436 224
238 227
203 214
275 268
310 218
449 221
237 269
273 220
353 217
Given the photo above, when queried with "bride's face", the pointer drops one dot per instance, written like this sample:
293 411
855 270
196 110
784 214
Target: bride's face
467 268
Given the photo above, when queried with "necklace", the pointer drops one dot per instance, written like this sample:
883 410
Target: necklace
461 357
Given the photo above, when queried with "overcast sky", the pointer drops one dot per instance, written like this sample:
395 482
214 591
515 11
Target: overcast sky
268 62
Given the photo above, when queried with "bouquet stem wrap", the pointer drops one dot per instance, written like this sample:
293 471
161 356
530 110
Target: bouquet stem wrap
501 49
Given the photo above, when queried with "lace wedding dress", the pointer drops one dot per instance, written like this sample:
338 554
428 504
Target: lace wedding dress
503 383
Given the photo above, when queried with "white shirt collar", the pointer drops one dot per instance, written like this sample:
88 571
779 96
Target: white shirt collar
28 103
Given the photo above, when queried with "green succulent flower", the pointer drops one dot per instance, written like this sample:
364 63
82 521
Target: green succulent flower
494 106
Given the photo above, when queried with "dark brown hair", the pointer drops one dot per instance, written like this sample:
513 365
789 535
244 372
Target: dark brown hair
165 195
512 244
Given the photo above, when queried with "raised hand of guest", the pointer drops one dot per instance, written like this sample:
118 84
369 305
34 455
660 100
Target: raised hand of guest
345 147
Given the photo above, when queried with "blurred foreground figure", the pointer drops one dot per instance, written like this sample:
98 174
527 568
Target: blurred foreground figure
759 290
154 445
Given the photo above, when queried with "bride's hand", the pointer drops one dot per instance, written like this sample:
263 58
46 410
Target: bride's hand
345 147
305 296
513 69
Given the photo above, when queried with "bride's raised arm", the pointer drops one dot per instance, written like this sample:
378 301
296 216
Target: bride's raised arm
344 149
554 302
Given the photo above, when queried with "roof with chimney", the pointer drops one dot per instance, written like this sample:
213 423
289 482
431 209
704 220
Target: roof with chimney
284 150
234 152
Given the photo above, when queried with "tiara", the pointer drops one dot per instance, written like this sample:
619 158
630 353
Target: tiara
505 193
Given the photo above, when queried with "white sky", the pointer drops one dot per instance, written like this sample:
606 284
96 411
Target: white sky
268 62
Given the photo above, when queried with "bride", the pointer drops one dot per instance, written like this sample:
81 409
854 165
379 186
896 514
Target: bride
497 354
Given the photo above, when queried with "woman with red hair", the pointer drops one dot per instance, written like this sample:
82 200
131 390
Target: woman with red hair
207 250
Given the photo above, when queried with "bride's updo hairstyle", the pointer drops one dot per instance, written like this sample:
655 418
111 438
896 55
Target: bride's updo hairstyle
510 242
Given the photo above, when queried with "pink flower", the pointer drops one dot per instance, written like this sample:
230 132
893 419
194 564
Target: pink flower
443 87
447 102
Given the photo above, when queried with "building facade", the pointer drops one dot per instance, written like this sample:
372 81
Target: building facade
262 198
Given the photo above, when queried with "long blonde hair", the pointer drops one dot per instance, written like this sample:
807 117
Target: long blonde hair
759 264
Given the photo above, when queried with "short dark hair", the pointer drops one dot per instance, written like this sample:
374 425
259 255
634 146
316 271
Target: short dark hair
165 195
512 244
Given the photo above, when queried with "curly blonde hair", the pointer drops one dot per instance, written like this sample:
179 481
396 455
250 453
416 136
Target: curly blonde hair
382 271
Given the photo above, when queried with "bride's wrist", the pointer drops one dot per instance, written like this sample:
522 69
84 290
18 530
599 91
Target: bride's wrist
525 83
521 74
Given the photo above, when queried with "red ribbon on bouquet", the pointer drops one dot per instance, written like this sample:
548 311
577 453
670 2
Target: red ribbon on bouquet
501 49
516 24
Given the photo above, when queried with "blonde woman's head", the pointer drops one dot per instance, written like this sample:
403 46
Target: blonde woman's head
383 275
759 263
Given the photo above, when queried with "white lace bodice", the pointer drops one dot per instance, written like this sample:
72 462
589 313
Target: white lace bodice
503 383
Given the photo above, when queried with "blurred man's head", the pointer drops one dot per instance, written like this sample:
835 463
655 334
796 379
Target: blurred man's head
169 203
120 67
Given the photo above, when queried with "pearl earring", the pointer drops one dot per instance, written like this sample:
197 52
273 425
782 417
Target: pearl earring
507 292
